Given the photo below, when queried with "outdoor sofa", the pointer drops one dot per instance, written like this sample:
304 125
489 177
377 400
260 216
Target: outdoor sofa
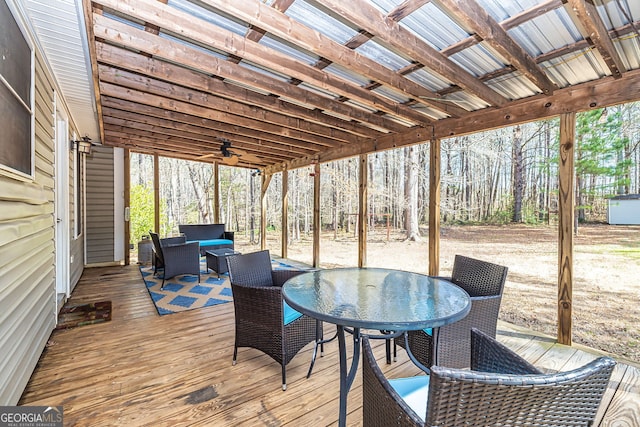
210 236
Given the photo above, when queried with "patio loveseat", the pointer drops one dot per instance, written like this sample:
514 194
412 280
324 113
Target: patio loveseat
210 236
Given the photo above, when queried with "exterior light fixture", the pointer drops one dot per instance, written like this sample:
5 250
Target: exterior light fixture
83 146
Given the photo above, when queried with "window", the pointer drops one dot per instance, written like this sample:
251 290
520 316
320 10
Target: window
16 97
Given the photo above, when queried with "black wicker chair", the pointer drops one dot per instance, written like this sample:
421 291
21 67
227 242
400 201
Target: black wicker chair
501 389
484 282
175 257
262 319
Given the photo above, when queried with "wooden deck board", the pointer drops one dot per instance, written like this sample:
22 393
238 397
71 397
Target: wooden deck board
144 369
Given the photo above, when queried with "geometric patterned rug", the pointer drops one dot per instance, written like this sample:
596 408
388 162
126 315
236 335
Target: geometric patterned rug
182 293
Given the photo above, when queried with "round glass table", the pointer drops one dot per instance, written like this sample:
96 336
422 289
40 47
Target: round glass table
373 299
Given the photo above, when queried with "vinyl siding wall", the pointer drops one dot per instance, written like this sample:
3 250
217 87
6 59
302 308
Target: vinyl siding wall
27 283
100 206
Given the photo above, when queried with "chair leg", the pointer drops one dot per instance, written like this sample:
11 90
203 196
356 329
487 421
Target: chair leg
162 285
284 378
235 354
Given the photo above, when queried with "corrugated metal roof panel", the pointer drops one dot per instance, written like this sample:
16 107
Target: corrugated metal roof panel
383 55
307 14
207 14
513 86
286 48
428 79
434 26
576 68
478 60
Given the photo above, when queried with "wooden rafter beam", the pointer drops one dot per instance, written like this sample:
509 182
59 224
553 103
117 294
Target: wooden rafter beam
200 133
127 60
582 97
332 137
145 98
138 40
213 126
204 33
597 33
257 14
472 16
363 15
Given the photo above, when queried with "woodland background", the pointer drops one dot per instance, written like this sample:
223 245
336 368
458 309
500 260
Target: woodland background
507 175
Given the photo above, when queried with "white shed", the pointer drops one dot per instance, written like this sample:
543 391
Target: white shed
624 210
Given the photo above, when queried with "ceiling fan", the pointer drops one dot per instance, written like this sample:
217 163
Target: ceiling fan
231 156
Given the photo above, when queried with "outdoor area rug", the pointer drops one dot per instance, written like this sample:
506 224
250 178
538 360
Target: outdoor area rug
183 292
74 315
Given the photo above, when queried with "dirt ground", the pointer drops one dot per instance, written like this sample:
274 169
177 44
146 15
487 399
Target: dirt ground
606 293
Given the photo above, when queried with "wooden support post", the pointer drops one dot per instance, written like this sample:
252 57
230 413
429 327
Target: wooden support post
156 193
216 193
434 207
127 205
266 180
285 213
362 210
316 215
565 226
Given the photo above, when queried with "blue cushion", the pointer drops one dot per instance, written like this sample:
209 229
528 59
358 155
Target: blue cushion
289 314
213 242
428 331
414 391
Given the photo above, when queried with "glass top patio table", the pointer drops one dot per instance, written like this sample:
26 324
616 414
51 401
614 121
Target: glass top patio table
375 299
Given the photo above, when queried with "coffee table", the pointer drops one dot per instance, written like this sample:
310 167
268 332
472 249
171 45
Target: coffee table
217 259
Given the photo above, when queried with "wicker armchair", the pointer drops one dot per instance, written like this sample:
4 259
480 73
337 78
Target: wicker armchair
262 319
501 389
484 282
175 257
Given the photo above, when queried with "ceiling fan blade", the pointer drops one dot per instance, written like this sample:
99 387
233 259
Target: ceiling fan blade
204 156
247 157
230 161
251 158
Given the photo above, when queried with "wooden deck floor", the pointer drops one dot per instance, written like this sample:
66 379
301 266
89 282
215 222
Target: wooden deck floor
144 369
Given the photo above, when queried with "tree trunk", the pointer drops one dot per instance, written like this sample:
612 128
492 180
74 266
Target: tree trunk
411 194
518 174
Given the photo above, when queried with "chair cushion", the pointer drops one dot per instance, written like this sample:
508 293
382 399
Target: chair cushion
428 331
414 391
213 242
289 314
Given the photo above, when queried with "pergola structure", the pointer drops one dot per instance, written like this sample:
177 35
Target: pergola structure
291 83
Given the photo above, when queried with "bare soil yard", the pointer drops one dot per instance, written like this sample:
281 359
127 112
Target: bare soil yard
606 294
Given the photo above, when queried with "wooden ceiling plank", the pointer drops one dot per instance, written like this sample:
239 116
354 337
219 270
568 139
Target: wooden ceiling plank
288 144
258 14
123 34
184 144
597 33
214 102
161 70
364 15
202 32
472 16
210 136
114 91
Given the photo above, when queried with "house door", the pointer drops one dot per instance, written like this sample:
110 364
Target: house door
62 209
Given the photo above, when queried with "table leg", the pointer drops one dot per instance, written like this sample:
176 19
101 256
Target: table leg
346 378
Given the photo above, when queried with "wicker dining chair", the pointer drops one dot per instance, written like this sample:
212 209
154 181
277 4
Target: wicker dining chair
262 319
501 389
484 282
174 256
